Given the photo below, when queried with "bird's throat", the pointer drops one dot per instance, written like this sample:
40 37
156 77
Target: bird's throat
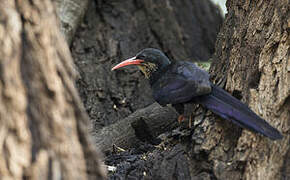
148 69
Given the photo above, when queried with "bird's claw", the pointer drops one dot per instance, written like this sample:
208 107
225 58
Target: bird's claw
183 118
180 118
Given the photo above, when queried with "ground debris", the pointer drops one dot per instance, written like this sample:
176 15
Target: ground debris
168 160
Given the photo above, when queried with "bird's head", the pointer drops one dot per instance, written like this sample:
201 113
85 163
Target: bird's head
149 61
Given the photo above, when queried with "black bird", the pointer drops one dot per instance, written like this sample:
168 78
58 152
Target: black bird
181 83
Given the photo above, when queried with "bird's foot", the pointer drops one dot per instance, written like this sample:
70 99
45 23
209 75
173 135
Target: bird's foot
180 118
184 118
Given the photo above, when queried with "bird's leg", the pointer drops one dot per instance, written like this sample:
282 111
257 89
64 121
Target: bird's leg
180 109
188 108
180 118
185 111
190 119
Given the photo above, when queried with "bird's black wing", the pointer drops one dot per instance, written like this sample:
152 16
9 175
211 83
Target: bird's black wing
180 83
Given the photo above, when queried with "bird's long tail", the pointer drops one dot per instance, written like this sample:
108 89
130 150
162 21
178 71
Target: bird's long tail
223 104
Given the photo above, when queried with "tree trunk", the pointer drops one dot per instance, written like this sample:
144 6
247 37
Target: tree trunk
43 125
252 58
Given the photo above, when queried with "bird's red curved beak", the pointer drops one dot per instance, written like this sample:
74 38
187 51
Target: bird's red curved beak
131 61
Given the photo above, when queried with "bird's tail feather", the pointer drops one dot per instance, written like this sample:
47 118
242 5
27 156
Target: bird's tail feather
223 104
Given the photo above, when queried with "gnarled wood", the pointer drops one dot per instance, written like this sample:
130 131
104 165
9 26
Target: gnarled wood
145 124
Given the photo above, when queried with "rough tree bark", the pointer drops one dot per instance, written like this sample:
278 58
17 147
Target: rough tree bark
70 14
252 55
43 126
